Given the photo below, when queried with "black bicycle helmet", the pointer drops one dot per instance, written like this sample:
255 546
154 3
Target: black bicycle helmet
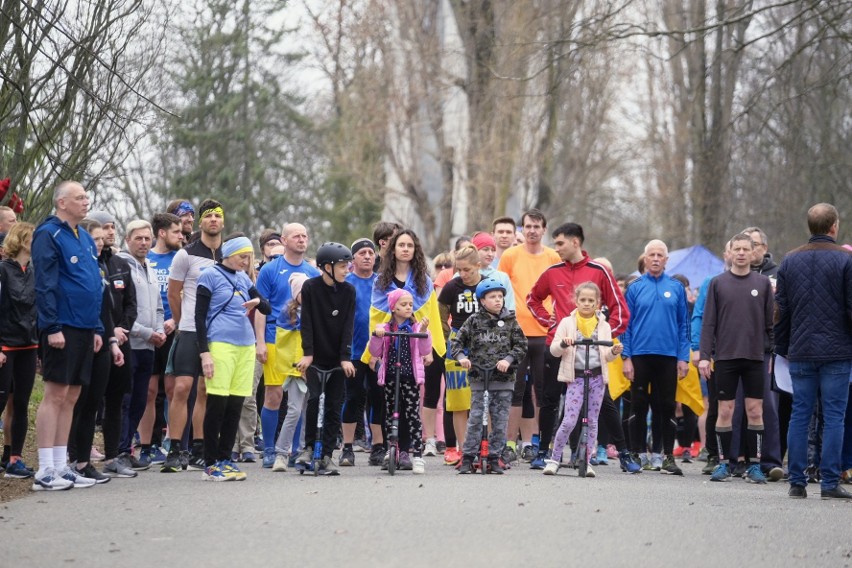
332 253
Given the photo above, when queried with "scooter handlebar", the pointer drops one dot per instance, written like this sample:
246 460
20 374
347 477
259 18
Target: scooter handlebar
403 334
585 341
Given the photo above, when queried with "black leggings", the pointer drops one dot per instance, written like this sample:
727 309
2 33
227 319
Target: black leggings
410 425
86 409
221 422
360 390
658 372
432 386
16 379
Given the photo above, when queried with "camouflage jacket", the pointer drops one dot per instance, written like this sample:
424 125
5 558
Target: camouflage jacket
486 339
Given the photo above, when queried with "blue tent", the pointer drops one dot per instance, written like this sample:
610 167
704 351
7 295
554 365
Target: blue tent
695 262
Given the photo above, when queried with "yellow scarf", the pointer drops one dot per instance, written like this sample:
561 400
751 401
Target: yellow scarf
587 325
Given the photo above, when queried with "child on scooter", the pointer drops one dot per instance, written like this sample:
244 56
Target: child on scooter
328 317
490 338
412 374
584 322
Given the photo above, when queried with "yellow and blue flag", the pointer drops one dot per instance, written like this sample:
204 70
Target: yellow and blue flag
425 306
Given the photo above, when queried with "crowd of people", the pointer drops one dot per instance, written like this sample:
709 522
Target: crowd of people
171 339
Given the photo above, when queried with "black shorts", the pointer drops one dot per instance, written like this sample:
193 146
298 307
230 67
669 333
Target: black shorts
730 372
161 355
530 369
71 365
186 360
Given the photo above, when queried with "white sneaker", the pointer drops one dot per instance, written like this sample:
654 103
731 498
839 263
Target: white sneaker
78 481
431 448
280 462
50 481
589 471
418 466
96 456
550 467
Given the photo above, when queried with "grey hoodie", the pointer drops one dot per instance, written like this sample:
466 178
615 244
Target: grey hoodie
149 303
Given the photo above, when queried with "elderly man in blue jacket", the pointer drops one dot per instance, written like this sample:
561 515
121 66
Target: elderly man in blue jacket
813 330
69 287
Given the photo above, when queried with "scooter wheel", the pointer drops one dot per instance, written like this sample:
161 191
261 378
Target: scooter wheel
392 457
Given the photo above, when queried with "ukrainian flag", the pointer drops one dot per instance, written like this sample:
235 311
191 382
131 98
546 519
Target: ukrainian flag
425 305
688 388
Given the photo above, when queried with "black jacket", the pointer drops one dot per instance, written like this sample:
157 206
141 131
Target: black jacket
119 305
18 313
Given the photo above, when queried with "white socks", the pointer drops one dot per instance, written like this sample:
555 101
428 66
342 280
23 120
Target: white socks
45 460
60 456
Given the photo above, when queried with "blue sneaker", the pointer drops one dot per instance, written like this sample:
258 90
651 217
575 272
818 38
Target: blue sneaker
628 464
157 457
754 474
249 457
19 470
230 469
539 461
602 458
268 457
215 473
145 459
721 473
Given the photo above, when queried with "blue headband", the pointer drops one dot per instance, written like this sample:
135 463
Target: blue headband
185 208
238 245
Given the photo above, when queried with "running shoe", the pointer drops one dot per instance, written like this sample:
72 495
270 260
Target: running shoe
721 473
845 476
686 456
627 463
386 460
230 469
644 461
452 456
739 469
347 458
550 467
377 455
611 452
78 481
215 473
656 462
327 465
184 459
145 458
695 449
405 462
119 468
50 480
603 458
95 455
280 464
703 455
837 493
196 462
133 463
361 445
431 448
305 457
528 453
248 457
418 466
157 456
775 473
171 463
466 465
590 472
18 470
91 472
670 467
712 463
494 465
754 474
539 461
268 457
442 446
509 456
678 451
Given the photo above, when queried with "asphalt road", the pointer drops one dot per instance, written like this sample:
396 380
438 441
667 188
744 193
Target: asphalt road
366 518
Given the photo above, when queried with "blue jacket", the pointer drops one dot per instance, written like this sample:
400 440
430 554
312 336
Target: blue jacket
658 318
68 281
813 298
698 314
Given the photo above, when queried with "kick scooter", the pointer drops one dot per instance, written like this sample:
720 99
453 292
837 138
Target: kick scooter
323 375
582 450
393 434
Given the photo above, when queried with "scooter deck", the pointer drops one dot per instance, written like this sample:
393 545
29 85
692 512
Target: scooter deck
302 468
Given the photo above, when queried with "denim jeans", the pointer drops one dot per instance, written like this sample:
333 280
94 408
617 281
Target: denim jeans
846 455
830 381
